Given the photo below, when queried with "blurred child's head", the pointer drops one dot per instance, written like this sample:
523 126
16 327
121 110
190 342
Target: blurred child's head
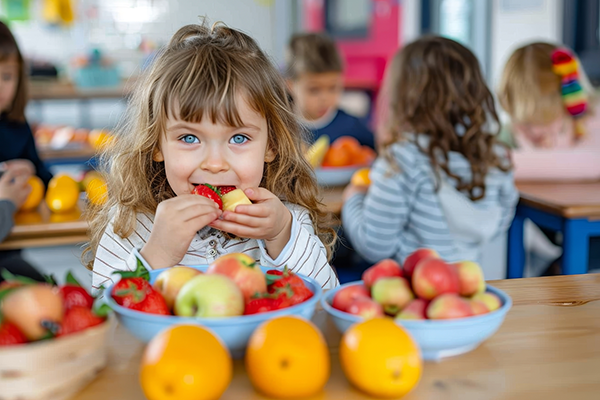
435 88
211 109
531 91
314 72
13 79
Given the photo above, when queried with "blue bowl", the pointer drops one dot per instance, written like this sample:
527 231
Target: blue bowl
437 338
234 331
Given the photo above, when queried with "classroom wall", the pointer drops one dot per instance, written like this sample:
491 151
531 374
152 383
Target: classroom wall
517 22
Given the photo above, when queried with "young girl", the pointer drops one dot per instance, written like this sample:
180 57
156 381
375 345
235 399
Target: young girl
211 109
441 182
18 155
555 124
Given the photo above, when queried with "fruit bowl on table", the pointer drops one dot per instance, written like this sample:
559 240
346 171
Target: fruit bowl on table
437 338
336 176
234 331
55 368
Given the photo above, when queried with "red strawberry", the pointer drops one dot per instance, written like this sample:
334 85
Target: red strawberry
262 304
154 303
210 192
77 319
128 292
280 279
226 189
11 335
75 296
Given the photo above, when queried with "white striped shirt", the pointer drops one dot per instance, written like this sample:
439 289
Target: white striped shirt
402 212
304 253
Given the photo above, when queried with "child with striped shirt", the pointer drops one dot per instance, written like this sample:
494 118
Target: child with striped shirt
441 181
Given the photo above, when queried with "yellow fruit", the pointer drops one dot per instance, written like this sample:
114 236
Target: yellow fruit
316 152
380 358
361 177
62 180
62 198
99 138
185 362
36 195
233 198
89 176
96 191
287 357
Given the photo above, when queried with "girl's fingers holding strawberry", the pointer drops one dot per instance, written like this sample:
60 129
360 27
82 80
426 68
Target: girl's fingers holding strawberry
236 229
256 210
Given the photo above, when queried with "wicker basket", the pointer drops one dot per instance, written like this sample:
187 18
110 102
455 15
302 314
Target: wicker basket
54 369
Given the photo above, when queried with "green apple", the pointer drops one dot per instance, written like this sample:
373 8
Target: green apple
209 295
170 281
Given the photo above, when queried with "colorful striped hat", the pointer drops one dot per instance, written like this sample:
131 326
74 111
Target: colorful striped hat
565 65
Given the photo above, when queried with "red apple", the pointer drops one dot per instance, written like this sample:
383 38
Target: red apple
433 277
392 293
449 306
365 307
478 307
491 301
383 269
169 282
243 270
347 295
33 309
416 309
471 279
412 260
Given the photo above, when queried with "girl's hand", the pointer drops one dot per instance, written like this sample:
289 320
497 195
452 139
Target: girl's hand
176 222
267 218
351 190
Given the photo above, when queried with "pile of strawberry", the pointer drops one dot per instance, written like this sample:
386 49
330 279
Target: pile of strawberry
135 292
284 289
32 311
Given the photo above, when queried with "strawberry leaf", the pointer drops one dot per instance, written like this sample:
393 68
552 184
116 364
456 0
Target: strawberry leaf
71 279
271 279
102 310
50 279
140 272
9 277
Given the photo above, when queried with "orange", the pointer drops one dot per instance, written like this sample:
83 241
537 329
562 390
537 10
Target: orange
365 156
96 191
336 158
287 357
380 358
185 362
36 195
99 138
361 177
348 144
62 194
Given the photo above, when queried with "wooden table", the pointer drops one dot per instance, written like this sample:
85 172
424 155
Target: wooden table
42 228
332 198
546 349
570 208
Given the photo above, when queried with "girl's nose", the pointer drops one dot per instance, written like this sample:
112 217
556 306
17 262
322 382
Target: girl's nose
214 162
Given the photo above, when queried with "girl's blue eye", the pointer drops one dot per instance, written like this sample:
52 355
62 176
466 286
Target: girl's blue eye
190 139
238 139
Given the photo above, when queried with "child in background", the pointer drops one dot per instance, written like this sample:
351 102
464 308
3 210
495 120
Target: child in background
18 155
555 128
18 147
314 72
210 109
442 181
555 123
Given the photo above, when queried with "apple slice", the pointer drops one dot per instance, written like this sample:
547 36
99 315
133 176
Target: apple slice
232 199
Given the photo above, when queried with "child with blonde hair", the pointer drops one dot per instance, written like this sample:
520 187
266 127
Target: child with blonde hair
441 182
554 121
211 109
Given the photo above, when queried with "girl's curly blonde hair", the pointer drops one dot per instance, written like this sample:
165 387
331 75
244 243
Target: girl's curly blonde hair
200 71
